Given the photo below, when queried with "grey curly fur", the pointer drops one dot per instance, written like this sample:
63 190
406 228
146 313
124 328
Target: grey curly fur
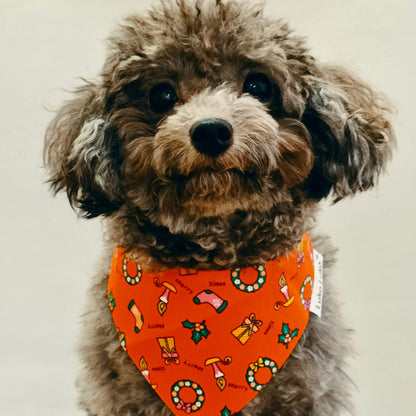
322 134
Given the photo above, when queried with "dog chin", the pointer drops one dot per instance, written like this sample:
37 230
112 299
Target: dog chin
213 193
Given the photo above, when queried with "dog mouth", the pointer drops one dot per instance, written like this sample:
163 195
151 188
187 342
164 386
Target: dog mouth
217 183
210 192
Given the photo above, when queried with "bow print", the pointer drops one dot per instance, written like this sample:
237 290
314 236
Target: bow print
168 350
184 406
258 364
301 259
170 357
250 325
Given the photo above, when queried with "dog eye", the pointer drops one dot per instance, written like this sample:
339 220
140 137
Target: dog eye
259 86
162 97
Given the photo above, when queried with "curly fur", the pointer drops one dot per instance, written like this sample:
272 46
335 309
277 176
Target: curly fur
324 133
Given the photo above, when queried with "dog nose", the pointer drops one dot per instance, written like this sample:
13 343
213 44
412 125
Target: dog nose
211 136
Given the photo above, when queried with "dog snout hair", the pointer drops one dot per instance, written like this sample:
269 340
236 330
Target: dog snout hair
211 136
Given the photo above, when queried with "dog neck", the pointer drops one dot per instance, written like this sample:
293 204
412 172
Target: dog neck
242 239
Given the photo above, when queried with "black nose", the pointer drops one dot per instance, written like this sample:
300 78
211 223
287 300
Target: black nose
211 136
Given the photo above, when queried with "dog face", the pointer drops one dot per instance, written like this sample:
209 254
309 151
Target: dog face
204 109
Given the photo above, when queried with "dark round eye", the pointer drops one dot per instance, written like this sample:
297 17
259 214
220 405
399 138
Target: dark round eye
259 86
162 97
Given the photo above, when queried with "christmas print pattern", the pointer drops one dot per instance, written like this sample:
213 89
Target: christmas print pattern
208 341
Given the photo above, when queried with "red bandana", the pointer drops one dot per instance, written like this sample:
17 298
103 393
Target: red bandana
208 341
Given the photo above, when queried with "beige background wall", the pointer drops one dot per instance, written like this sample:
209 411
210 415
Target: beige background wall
47 254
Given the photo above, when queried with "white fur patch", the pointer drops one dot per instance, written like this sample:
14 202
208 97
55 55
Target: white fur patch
124 64
87 139
89 147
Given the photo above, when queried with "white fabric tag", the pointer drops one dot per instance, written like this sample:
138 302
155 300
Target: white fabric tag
318 285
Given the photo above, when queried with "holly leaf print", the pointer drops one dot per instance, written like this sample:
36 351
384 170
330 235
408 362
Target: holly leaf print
285 329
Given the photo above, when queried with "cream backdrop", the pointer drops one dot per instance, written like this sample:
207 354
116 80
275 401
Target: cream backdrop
47 254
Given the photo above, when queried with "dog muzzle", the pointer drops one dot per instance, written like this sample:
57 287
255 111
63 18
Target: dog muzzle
209 341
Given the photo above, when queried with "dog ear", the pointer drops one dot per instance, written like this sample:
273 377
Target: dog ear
82 155
351 133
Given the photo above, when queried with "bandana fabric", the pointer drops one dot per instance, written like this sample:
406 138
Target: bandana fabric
208 341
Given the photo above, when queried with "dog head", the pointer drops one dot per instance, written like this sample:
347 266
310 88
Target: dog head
205 109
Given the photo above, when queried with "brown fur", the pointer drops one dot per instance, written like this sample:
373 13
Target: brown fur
323 133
